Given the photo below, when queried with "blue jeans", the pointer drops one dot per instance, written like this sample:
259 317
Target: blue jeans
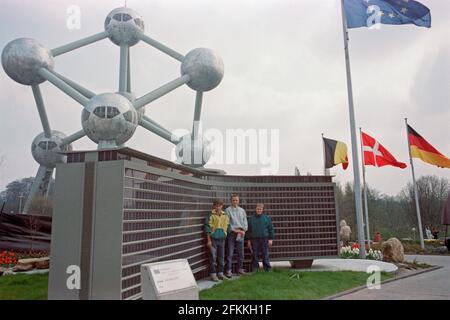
260 246
232 242
216 256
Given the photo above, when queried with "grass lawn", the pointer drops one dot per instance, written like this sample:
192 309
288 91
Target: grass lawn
24 287
282 284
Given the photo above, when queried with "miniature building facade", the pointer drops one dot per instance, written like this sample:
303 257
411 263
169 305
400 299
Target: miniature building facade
118 209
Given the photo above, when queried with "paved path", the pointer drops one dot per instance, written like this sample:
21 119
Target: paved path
433 285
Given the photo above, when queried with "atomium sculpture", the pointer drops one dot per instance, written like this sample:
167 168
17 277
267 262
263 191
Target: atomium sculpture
109 119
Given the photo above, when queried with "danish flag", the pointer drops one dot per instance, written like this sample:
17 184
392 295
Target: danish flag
376 155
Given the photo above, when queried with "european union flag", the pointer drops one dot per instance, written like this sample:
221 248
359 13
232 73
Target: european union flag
365 13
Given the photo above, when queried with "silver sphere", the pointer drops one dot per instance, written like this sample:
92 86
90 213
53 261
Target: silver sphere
194 153
131 96
109 119
22 58
124 26
47 151
204 67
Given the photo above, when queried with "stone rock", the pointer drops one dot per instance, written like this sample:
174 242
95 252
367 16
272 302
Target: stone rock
23 267
43 263
27 261
441 250
32 263
393 251
7 272
345 231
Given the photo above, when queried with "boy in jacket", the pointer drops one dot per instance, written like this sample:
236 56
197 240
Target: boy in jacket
217 226
239 225
260 234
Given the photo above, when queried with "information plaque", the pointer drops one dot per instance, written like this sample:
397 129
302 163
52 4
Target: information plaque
168 280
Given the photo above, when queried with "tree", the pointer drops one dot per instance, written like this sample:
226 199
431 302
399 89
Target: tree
346 205
385 212
432 192
386 215
16 194
33 224
41 206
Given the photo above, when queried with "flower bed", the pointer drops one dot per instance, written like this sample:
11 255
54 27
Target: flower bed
8 259
352 252
23 260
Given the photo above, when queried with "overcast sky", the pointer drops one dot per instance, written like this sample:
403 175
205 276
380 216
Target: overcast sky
284 69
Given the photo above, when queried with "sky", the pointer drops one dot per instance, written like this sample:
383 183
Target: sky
284 70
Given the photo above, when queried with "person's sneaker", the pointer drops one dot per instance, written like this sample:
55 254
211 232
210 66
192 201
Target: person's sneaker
222 277
229 275
214 277
242 272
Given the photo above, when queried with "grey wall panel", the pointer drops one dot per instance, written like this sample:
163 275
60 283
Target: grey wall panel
66 229
107 244
87 229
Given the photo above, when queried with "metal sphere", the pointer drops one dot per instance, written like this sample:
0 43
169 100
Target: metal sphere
22 58
204 67
131 96
109 118
47 151
194 153
124 26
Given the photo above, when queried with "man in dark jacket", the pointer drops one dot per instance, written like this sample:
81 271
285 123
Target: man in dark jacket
260 234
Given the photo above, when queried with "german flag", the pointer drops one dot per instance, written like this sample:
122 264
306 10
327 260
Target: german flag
421 149
335 153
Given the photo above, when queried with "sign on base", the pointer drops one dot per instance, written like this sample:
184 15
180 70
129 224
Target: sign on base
168 280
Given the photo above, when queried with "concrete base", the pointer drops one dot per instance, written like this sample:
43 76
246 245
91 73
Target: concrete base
34 271
357 265
301 264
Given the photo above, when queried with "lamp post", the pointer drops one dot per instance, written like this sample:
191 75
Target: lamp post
20 202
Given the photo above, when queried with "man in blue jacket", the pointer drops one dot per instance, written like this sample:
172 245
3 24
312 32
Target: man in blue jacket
260 234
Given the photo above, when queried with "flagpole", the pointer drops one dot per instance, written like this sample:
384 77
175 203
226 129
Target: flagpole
366 206
416 194
357 180
325 171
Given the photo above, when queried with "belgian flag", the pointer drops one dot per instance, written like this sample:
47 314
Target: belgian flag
335 153
421 149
